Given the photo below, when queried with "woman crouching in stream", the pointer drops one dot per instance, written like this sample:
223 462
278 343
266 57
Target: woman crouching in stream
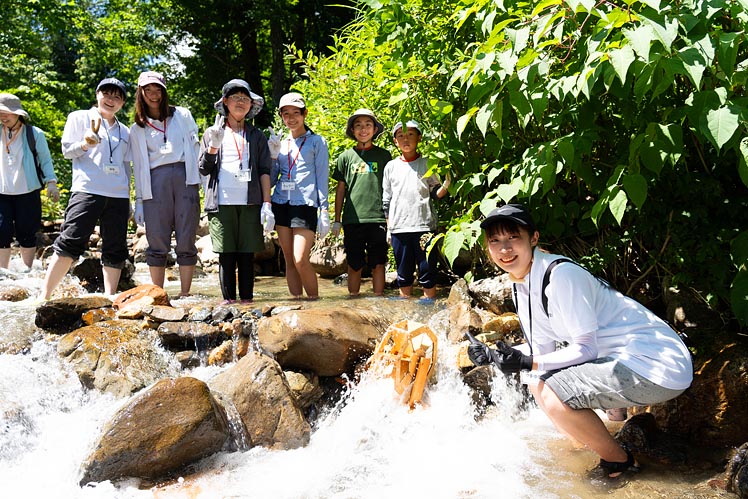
619 354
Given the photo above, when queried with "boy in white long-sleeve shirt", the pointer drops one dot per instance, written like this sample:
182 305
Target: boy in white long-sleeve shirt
406 198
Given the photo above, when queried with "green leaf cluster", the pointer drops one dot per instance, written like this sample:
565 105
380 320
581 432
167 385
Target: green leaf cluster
621 124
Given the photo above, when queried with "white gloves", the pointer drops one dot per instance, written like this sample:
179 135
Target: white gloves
274 144
389 237
53 192
139 218
267 218
91 137
447 181
323 223
214 134
336 226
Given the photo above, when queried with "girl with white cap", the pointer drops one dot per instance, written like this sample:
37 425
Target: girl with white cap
23 172
300 177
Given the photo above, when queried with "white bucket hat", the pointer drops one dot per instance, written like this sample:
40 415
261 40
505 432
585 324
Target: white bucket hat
369 114
257 101
12 104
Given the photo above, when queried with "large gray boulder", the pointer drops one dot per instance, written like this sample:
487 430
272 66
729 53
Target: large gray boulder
172 424
264 401
116 356
326 341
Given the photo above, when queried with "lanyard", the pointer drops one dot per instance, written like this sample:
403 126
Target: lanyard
148 122
109 139
12 138
238 149
291 164
529 310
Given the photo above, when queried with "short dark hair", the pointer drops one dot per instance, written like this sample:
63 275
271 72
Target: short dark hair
506 226
237 90
111 88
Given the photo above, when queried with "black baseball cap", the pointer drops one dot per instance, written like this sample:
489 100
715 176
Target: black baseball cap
112 82
515 212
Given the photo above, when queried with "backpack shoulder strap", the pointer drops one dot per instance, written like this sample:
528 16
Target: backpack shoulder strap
547 280
31 140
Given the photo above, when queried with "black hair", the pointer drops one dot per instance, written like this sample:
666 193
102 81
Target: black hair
110 87
507 226
236 90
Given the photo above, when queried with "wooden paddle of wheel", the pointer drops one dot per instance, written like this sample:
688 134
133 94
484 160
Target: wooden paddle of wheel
407 352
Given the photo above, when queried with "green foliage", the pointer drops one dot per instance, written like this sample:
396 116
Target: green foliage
57 52
620 124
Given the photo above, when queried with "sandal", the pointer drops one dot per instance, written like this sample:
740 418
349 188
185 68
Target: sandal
630 465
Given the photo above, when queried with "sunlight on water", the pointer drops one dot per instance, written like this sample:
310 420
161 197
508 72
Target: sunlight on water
371 446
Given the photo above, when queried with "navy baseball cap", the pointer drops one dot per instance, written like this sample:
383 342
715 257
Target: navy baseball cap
112 82
515 212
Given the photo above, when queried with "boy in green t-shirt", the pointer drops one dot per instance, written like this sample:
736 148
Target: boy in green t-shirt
359 173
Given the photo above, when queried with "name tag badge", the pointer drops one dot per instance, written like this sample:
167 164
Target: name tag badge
243 176
530 378
111 169
288 186
11 160
165 148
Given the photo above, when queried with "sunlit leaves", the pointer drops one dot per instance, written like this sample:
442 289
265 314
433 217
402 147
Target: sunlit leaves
621 59
721 124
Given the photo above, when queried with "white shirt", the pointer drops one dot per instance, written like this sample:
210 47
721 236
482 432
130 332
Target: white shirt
12 176
232 191
158 137
582 310
104 169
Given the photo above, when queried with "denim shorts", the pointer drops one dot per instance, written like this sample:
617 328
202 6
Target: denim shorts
295 216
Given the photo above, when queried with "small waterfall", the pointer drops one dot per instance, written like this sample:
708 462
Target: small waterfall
239 437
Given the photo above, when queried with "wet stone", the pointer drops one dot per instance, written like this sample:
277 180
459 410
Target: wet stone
188 359
161 313
200 314
190 335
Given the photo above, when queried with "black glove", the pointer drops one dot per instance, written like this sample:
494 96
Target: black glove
479 354
510 360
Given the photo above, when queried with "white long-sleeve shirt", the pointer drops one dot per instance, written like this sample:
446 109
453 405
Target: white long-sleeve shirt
597 321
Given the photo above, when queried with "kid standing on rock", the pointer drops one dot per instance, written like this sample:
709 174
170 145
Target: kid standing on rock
406 198
359 173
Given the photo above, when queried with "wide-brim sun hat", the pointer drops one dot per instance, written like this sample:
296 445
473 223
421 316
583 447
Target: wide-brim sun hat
12 104
148 77
408 124
114 82
293 99
516 213
369 114
257 101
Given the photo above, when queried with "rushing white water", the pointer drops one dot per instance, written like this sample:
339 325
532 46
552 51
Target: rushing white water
369 446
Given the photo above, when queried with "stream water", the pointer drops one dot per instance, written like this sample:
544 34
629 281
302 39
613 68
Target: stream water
368 446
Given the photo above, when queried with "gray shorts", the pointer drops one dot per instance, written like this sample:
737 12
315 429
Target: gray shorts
605 384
